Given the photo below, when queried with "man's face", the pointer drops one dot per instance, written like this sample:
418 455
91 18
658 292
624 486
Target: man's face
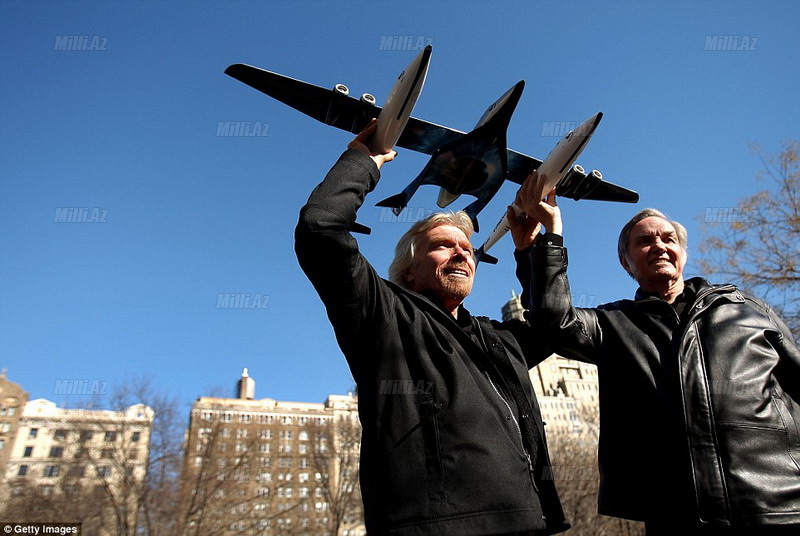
654 257
444 263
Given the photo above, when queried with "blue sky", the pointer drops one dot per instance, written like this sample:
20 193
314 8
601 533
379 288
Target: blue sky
130 129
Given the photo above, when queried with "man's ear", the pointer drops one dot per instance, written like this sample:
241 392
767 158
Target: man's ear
624 262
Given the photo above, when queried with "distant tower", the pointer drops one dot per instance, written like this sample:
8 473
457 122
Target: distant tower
246 386
513 309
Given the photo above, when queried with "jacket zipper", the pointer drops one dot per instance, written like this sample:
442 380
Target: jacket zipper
697 310
510 412
519 432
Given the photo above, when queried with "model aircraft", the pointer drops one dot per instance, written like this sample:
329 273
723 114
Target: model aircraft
474 163
555 167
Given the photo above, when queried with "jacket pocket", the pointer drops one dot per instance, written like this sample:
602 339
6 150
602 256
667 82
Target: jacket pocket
790 424
434 468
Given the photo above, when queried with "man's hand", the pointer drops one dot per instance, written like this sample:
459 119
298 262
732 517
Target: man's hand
361 142
524 229
538 204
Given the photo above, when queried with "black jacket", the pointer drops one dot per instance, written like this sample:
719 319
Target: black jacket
699 410
441 452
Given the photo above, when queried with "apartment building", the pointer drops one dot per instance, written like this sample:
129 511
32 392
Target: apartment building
262 466
76 465
12 401
567 390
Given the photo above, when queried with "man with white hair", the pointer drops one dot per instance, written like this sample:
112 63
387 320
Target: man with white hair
699 383
453 440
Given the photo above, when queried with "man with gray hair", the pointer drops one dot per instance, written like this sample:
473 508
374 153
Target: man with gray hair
699 383
453 440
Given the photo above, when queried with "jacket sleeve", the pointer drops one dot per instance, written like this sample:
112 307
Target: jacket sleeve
568 331
533 345
328 254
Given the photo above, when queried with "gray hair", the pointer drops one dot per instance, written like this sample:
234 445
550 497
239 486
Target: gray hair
625 234
406 246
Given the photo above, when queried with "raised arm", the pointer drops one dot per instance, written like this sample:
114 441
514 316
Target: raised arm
325 248
568 331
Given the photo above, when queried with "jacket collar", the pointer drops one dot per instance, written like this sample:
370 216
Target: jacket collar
691 288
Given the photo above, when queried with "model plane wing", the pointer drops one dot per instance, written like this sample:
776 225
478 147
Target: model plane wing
336 108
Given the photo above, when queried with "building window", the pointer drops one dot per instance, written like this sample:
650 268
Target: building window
77 471
28 452
104 471
60 434
50 470
56 452
23 470
110 437
33 433
135 436
86 435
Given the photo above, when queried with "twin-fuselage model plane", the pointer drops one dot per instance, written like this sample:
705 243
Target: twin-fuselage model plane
474 163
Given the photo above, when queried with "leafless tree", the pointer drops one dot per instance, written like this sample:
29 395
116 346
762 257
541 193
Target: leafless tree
336 459
574 456
757 243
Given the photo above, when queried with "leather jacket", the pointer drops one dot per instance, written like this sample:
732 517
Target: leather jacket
699 411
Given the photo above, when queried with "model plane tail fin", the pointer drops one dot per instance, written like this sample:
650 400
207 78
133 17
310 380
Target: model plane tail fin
482 256
359 228
396 202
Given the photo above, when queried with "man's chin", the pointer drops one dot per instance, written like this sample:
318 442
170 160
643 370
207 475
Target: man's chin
456 289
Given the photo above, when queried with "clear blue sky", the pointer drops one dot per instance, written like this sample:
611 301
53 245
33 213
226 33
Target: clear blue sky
131 130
